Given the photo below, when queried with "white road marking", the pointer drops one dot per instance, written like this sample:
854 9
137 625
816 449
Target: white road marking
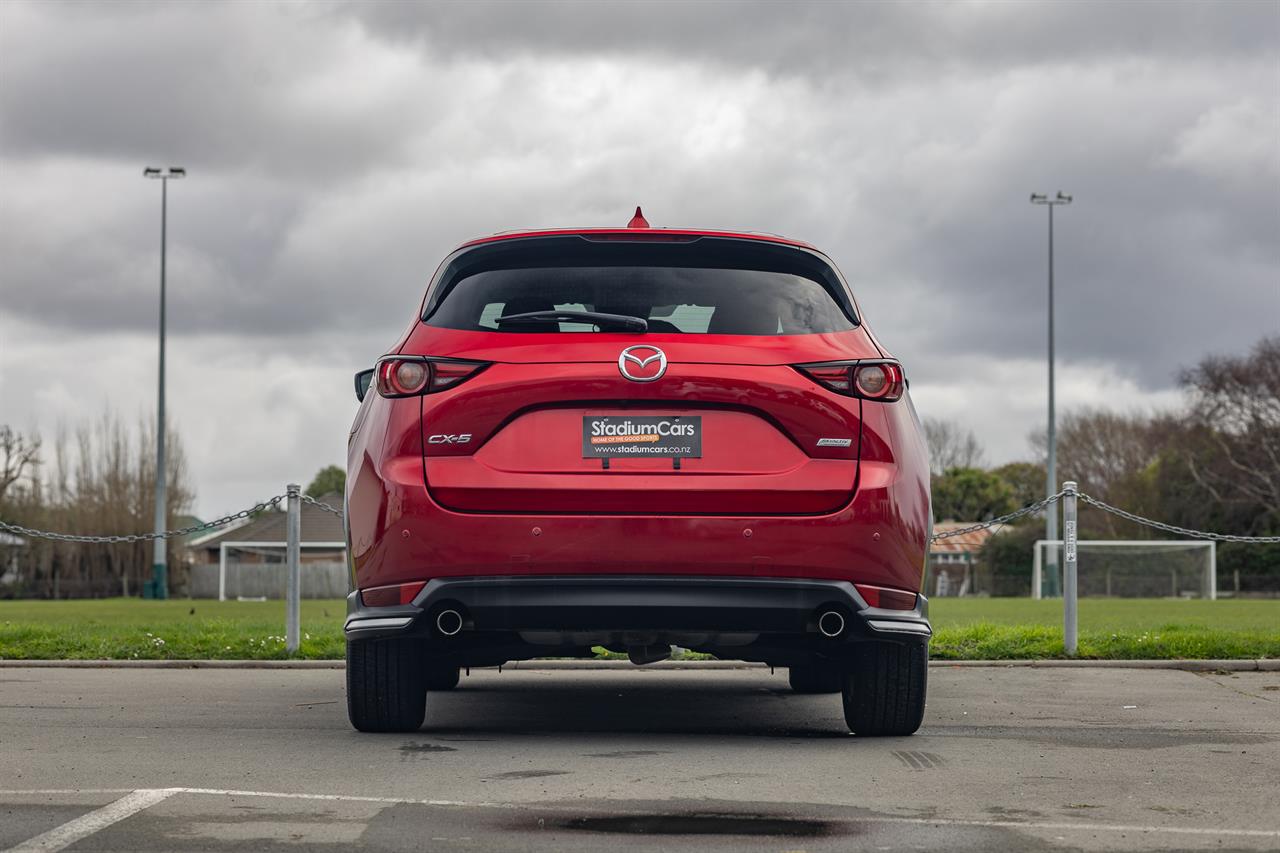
35 792
225 792
82 827
126 806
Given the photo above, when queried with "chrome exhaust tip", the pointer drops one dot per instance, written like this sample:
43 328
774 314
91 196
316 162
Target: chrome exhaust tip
831 623
449 622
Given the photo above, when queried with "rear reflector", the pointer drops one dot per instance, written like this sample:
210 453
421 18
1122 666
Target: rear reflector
390 596
890 599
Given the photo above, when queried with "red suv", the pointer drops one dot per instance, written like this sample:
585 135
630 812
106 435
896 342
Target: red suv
637 438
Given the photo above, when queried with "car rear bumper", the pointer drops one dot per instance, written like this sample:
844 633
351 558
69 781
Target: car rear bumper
658 605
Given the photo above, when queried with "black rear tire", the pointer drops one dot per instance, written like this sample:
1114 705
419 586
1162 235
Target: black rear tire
814 679
386 685
884 689
442 677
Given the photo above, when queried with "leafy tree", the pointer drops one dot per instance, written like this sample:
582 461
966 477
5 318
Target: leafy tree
1026 479
970 494
328 480
1011 552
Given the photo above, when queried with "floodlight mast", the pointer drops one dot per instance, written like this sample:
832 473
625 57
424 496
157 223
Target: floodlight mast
159 584
1051 478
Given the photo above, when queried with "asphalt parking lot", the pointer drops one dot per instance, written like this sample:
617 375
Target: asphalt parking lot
1008 759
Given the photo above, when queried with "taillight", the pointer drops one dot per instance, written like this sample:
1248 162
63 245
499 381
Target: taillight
390 596
882 381
409 377
882 596
871 380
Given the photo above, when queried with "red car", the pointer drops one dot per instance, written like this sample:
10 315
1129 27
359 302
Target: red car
637 438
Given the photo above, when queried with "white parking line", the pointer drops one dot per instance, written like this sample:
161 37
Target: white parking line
68 833
82 827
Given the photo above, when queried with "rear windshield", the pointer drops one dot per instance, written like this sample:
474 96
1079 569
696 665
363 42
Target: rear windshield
673 298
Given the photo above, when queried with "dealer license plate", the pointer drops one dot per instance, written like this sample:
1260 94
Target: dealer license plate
637 436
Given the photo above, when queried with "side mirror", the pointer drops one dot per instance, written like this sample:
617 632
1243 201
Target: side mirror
363 379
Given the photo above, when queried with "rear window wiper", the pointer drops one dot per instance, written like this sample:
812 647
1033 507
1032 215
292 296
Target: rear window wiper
623 322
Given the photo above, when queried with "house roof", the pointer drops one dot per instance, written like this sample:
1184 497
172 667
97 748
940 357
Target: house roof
317 526
964 543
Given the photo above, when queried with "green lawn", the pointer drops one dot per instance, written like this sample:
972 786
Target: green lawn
1110 614
1114 628
173 629
975 628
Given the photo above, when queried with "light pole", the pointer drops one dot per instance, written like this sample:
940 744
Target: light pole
1051 480
159 586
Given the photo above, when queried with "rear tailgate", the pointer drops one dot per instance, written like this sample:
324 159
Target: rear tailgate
758 425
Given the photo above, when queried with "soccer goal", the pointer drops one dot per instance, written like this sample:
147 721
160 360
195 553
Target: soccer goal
1132 568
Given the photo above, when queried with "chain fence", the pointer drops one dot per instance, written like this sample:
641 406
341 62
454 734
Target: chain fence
272 503
1114 510
1173 528
1029 509
321 505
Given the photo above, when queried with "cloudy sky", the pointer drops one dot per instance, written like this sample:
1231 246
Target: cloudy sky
338 150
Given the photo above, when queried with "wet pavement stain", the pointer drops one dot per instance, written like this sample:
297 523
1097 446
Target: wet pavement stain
411 749
627 753
731 776
702 824
530 774
1001 813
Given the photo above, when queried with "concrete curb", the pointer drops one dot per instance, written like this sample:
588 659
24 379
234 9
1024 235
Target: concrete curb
1268 665
13 663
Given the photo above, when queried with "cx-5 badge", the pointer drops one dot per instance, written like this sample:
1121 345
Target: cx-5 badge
638 367
464 438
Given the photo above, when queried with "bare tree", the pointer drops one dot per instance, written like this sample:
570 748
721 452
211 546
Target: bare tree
1234 412
1099 448
1108 454
101 481
19 458
951 446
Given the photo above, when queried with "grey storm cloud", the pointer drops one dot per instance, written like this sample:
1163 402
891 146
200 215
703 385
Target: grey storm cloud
338 150
819 38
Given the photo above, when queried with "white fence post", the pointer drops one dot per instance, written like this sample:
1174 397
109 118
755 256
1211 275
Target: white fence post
1212 591
1037 571
222 572
293 556
1069 592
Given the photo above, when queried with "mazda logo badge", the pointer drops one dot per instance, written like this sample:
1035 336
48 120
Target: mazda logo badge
642 363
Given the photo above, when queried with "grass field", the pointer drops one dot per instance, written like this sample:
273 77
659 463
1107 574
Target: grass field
975 628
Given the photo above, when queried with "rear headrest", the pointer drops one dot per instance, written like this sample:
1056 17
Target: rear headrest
742 317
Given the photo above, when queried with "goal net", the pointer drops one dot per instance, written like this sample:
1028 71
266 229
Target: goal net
1134 568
